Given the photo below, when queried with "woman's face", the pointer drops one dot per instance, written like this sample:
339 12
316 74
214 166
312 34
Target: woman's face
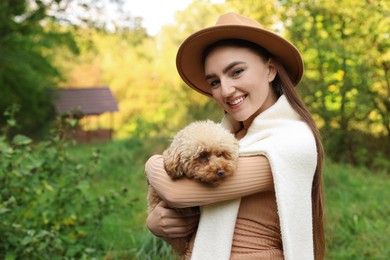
240 81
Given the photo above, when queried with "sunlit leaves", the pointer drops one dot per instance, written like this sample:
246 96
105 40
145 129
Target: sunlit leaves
337 40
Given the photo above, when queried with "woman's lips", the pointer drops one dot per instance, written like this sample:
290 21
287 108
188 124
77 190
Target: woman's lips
236 102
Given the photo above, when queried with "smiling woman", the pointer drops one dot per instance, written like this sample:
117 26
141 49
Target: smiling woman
252 74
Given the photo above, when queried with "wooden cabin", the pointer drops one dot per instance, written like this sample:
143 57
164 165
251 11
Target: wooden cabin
87 105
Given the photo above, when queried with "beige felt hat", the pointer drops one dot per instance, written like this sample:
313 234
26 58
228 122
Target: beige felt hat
234 26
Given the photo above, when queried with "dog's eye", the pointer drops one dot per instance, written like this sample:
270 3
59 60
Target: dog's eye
204 155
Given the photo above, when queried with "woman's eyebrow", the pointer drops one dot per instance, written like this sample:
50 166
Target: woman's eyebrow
226 69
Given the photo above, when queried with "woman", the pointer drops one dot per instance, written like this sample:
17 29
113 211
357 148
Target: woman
272 207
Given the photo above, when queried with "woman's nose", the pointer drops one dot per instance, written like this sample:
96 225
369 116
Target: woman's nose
227 88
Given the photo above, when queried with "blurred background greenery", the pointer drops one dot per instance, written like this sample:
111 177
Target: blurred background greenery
46 45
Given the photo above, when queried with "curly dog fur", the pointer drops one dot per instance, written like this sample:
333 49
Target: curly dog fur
204 151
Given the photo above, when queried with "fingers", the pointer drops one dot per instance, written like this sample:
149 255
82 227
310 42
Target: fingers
168 222
175 224
177 232
171 223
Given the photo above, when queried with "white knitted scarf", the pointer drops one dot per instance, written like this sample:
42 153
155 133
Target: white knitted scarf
285 139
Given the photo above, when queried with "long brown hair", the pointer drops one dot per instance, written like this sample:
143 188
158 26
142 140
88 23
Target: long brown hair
282 84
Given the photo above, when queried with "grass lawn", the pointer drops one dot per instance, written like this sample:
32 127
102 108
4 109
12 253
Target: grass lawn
357 206
358 213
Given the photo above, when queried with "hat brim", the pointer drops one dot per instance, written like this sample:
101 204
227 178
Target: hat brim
189 63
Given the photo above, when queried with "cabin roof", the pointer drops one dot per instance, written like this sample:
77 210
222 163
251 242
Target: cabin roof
88 101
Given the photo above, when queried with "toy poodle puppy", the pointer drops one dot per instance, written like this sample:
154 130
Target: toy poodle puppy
203 151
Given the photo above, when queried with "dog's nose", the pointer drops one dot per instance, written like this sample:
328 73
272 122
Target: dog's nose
220 173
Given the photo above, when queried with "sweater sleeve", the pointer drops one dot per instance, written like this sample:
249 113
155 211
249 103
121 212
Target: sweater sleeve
253 175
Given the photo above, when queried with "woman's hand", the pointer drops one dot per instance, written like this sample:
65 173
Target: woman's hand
164 221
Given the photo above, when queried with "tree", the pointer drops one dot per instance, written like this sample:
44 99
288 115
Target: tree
345 48
26 73
263 11
31 33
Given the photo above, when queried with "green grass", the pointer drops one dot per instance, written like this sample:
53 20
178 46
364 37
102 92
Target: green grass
357 206
358 212
121 172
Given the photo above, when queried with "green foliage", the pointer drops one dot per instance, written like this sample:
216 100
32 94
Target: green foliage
262 11
345 46
33 33
27 75
46 210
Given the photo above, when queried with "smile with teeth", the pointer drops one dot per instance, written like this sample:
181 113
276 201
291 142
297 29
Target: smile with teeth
236 101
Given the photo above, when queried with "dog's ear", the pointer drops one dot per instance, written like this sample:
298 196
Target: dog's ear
172 163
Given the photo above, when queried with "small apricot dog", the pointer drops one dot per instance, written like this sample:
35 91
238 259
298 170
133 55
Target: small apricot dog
203 151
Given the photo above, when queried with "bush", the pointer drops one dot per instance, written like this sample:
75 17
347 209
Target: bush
45 210
358 148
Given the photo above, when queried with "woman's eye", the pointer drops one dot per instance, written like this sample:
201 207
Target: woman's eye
214 83
237 72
